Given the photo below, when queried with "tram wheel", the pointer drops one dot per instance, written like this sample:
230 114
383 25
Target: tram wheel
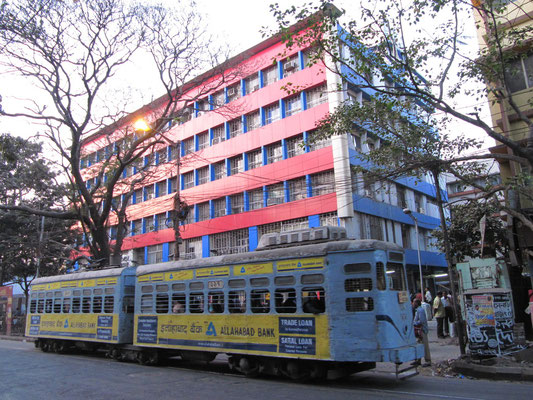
45 346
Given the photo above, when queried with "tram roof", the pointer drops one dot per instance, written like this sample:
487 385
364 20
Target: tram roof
308 250
101 273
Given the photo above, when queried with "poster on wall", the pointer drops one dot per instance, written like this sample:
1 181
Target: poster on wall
490 323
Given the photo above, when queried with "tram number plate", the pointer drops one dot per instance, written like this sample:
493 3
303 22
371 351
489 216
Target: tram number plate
215 284
403 297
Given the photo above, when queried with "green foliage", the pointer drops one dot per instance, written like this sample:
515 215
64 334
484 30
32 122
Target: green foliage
465 232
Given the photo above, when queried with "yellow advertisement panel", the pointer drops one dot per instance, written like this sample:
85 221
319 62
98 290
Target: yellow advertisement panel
253 269
301 264
83 283
187 274
210 272
151 277
106 281
301 336
92 327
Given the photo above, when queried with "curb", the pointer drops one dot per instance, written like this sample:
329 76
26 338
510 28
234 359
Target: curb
493 372
17 338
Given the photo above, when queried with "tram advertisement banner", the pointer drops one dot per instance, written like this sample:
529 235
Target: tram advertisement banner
98 327
298 336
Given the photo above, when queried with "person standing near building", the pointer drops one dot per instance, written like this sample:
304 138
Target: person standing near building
420 323
428 296
440 313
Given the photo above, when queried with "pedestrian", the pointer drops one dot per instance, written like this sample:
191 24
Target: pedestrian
445 325
440 312
429 297
450 316
420 323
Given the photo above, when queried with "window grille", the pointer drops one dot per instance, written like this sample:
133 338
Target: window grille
293 105
235 127
203 211
310 55
162 188
196 303
193 248
219 206
215 302
203 140
323 183
137 226
173 184
316 96
269 228
297 189
290 66
358 285
220 170
236 165
149 192
294 224
155 254
285 300
147 303
255 198
188 180
161 303
276 194
237 302
359 304
274 153
234 92
138 196
237 203
190 216
260 301
329 219
376 230
161 221
272 113
315 144
162 155
251 83
174 152
149 224
270 75
253 121
203 175
203 106
313 300
295 146
254 159
178 303
188 145
219 134
230 242
218 99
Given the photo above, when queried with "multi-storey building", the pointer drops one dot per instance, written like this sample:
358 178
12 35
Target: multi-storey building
248 167
507 27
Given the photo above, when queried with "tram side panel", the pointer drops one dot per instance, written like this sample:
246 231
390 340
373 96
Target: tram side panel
82 310
290 335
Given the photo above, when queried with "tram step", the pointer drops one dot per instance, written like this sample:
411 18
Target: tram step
407 372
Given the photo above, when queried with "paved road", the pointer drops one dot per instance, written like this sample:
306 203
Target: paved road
27 373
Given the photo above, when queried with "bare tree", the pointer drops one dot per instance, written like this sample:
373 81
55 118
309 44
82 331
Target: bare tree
75 52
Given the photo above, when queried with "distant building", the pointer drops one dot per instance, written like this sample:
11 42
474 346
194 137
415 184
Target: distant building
248 167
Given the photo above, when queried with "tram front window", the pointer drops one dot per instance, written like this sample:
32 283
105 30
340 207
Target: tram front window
395 276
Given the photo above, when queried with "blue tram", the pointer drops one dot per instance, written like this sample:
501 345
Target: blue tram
287 308
304 304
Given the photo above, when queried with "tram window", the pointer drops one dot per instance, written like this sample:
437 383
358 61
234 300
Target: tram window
284 280
129 289
67 293
161 288
259 282
49 294
179 287
260 299
358 268
97 304
109 304
128 303
40 306
196 285
358 285
237 301
147 303
178 302
196 302
34 295
109 290
58 294
312 278
77 293
380 275
33 306
57 306
215 302
285 300
394 256
66 305
147 289
354 304
236 283
86 305
76 303
161 303
86 292
48 306
313 300
41 295
395 276
98 291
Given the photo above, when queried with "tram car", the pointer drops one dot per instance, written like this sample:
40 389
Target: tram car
87 309
303 304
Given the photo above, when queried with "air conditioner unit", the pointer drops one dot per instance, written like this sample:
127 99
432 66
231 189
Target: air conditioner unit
290 65
255 88
216 140
422 210
232 91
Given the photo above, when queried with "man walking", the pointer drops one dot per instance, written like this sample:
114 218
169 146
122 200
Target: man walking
440 313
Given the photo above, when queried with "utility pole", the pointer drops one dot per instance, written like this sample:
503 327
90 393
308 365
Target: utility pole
177 204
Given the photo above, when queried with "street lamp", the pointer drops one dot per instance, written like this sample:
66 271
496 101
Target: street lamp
409 212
